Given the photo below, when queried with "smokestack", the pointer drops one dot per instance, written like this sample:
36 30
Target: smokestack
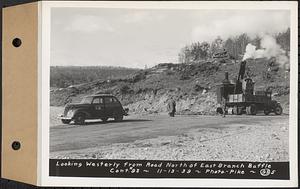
226 80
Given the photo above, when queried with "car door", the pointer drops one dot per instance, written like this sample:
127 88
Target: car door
118 109
98 107
113 106
108 106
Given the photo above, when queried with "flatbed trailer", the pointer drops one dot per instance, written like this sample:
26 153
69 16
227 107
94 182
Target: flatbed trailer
251 104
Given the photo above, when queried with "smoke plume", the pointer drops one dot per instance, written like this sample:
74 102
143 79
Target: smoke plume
269 50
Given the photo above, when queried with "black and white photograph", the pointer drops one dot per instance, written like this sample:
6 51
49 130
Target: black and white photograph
170 84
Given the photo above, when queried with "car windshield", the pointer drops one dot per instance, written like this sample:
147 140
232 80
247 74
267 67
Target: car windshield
87 100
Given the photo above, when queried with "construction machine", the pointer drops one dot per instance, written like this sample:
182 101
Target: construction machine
240 97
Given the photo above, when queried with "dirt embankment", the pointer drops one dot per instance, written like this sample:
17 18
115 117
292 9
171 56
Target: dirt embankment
193 86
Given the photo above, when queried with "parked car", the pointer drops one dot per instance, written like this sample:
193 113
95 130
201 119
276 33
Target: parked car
99 106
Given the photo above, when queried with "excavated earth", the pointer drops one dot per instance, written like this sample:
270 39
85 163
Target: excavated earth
197 133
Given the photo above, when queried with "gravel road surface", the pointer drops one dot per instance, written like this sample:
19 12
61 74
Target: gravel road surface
157 136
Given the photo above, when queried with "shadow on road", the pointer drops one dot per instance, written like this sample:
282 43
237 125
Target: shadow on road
72 125
134 120
113 121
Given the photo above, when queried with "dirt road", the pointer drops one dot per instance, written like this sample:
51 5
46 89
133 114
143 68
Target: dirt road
255 138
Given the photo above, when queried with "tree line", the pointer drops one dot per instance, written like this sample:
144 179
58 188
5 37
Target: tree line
231 48
64 76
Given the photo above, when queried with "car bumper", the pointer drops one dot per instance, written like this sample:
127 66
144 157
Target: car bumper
64 117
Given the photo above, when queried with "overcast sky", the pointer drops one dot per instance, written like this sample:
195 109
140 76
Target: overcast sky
135 38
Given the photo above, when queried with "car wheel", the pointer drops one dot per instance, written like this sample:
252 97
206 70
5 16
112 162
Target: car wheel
119 118
219 110
267 111
239 111
65 121
79 119
104 119
251 110
248 110
278 110
235 110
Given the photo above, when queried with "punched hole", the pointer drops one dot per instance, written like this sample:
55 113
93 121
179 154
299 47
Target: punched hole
16 145
17 42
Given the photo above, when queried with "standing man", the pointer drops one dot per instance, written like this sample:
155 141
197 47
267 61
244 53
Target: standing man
224 106
171 107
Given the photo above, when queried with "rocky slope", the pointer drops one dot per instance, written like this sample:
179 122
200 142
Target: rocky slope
192 85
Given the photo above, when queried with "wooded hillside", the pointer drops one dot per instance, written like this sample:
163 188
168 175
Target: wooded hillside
64 76
231 48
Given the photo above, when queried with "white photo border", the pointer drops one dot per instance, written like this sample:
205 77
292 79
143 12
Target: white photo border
44 101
